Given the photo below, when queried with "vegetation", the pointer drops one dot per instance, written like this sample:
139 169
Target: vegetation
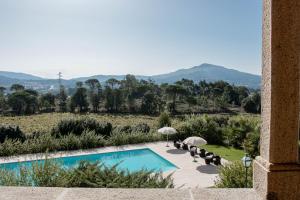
232 175
41 143
132 96
241 132
9 132
86 174
78 126
164 120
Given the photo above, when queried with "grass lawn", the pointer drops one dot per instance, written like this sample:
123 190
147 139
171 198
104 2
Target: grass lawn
228 153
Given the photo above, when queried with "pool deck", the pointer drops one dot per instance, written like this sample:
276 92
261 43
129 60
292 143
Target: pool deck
188 175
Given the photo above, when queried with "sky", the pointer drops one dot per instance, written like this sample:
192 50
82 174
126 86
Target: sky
145 37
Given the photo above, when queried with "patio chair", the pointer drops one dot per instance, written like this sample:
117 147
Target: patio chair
185 146
193 151
177 144
209 159
209 154
217 160
202 153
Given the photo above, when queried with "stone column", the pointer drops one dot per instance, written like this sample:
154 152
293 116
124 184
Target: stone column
277 169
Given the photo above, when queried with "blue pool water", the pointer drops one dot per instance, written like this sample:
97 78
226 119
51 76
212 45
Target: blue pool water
132 160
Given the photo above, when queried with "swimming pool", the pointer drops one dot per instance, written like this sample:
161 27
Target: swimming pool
131 160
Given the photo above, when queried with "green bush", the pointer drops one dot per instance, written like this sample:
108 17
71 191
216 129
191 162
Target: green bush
51 174
47 142
11 132
78 126
123 129
97 175
120 138
251 143
203 126
232 175
237 129
164 120
141 128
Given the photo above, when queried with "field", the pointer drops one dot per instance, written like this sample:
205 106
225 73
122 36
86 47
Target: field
45 122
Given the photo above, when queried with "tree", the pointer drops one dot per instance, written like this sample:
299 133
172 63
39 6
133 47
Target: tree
94 93
2 99
23 102
113 95
242 92
149 103
17 87
129 87
62 99
164 120
252 103
173 91
79 99
2 89
47 102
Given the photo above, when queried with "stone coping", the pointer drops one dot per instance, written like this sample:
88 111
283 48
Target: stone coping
45 193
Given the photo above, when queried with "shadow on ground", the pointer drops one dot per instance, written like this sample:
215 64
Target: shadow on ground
176 151
207 169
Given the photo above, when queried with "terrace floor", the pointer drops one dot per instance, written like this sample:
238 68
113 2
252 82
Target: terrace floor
188 175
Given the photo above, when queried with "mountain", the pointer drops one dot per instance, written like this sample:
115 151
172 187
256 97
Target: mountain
20 76
207 72
211 73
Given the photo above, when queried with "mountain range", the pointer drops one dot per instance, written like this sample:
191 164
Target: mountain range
207 72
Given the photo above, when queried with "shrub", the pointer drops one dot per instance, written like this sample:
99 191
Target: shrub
11 147
47 142
251 143
119 138
78 126
252 104
91 140
48 174
202 126
123 129
142 128
164 120
238 128
98 175
11 132
232 175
